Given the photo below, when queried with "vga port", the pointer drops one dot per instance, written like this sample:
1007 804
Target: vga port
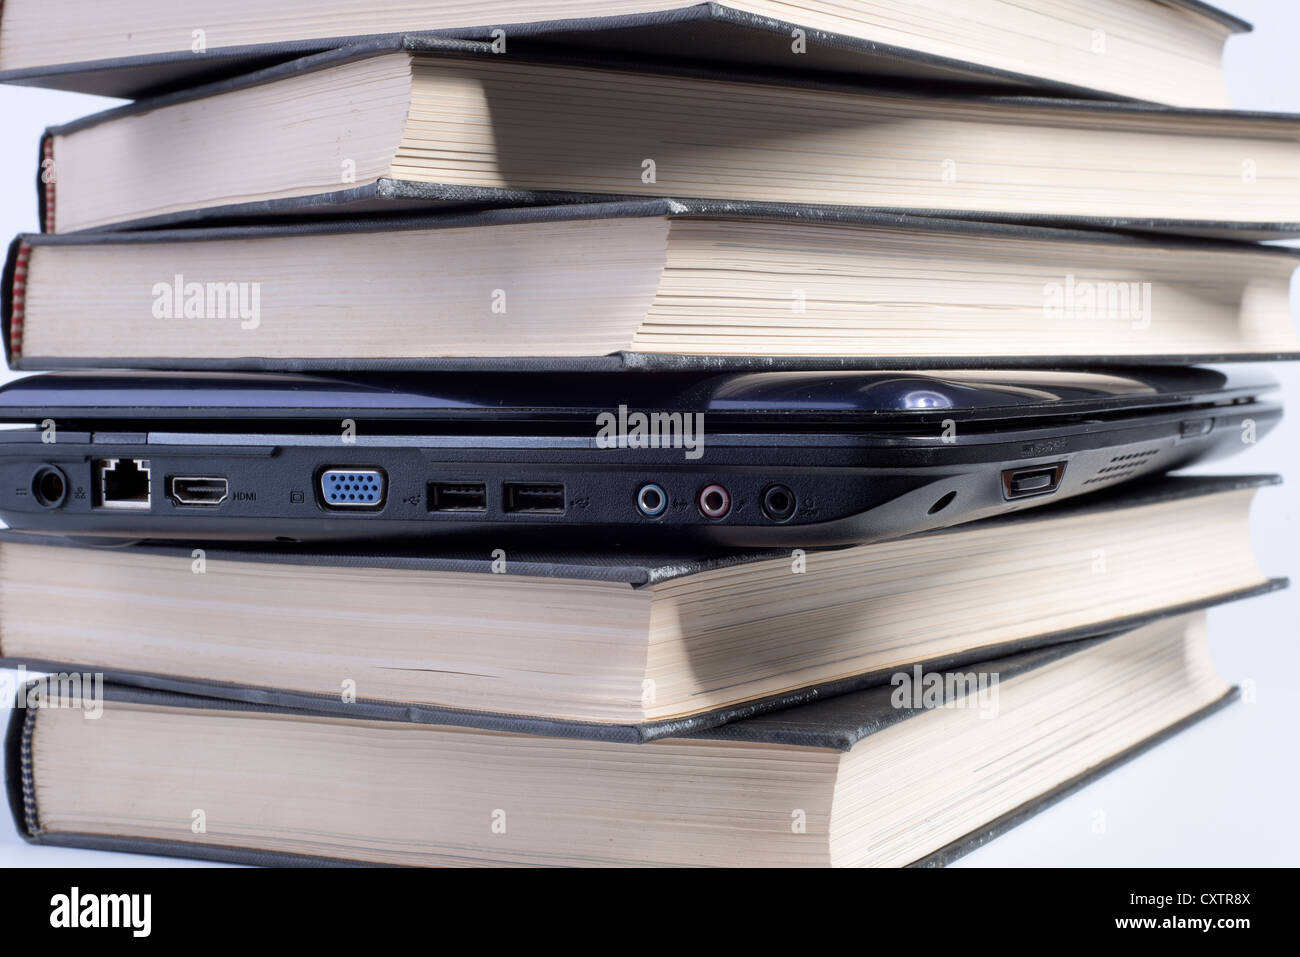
353 488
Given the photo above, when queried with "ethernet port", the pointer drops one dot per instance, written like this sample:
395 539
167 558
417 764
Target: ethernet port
122 483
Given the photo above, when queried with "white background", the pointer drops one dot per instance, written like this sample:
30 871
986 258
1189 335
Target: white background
1223 793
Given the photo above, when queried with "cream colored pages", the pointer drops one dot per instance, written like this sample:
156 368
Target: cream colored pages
492 123
560 288
306 134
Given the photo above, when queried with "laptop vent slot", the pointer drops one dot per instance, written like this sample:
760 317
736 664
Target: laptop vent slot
1123 466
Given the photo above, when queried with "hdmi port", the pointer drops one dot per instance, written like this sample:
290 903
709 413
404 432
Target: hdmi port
534 498
197 490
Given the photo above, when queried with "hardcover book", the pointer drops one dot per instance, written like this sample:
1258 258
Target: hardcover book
917 772
387 125
1168 51
618 644
646 284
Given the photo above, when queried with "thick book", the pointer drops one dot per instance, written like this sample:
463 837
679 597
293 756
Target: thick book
641 284
1167 51
617 644
385 126
914 773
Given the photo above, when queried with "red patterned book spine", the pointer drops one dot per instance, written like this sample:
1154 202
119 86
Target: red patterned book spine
19 298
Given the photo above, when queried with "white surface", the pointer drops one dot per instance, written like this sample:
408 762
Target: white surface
1222 793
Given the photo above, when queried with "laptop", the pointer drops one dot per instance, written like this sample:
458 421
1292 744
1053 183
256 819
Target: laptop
784 459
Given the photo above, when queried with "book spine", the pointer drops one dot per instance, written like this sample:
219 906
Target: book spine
17 301
47 181
28 781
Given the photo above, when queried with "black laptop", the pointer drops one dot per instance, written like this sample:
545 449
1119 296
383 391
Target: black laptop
757 459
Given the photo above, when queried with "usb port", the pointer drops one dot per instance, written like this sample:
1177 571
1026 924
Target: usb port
457 497
1031 481
534 498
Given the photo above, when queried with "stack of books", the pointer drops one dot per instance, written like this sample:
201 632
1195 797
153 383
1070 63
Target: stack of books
648 192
